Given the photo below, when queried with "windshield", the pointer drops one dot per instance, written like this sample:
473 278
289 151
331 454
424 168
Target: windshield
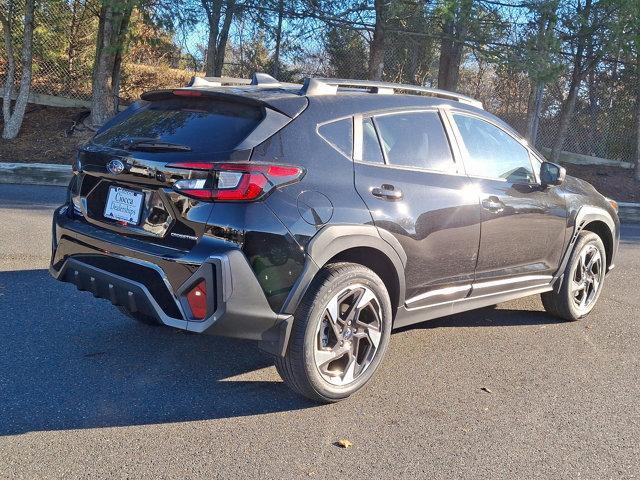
204 125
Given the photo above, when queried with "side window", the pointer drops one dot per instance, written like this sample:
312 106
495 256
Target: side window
415 139
492 152
339 135
370 145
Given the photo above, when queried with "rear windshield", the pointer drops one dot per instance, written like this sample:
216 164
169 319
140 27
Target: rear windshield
203 124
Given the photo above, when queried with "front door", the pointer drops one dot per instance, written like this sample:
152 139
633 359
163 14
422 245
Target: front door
523 223
408 177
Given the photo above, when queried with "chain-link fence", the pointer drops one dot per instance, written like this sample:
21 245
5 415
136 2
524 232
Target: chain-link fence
603 123
64 40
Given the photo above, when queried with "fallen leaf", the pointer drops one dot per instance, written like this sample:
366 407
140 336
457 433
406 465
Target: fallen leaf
344 443
486 390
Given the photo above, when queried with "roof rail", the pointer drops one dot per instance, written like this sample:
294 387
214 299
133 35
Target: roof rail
256 79
329 86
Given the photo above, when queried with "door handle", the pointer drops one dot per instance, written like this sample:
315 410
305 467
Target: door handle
493 204
387 192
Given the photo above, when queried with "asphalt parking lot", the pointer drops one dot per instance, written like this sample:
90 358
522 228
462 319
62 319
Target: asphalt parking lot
85 392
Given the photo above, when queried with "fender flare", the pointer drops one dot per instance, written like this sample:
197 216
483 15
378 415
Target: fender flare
331 240
588 214
585 215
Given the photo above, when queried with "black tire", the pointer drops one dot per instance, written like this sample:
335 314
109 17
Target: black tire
298 367
561 304
139 317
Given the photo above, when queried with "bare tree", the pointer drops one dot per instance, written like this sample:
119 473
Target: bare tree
114 18
13 119
454 34
377 46
592 41
539 53
216 11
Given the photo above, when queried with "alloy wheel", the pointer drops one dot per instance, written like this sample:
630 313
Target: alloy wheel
587 277
348 335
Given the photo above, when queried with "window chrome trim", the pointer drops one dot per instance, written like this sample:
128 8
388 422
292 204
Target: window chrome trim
358 140
359 118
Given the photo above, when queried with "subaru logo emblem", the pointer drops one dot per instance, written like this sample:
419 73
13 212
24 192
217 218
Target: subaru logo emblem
115 167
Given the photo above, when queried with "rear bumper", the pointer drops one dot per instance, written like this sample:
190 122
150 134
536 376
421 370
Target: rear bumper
154 281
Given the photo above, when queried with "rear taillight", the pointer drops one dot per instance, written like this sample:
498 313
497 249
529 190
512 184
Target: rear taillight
197 299
235 182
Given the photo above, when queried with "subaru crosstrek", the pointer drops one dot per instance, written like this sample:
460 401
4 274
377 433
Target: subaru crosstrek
314 219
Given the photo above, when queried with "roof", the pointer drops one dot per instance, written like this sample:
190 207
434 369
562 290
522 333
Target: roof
291 99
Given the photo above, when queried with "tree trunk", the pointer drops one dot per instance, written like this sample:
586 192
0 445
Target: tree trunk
593 106
14 122
112 28
545 26
224 37
213 9
445 79
210 63
275 69
533 113
454 34
10 77
577 75
376 50
116 73
72 49
566 113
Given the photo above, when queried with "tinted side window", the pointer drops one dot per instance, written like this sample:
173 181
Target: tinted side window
370 145
415 139
339 135
492 152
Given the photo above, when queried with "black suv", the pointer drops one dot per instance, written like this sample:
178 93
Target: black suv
316 218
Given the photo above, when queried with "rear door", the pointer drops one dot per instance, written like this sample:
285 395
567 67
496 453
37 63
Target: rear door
523 223
407 174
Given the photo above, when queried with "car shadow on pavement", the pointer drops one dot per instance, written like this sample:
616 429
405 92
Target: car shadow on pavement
69 361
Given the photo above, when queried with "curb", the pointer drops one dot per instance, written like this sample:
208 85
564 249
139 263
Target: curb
35 173
60 175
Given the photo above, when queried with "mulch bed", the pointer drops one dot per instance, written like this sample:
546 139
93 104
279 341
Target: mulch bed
43 138
613 182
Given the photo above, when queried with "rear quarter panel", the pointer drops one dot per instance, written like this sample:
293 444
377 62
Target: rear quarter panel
326 195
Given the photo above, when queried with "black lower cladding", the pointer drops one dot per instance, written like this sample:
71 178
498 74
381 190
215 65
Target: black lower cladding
146 276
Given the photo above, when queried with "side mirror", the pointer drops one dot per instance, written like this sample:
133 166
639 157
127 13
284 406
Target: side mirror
552 174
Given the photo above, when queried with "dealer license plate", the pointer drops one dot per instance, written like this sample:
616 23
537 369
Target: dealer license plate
124 205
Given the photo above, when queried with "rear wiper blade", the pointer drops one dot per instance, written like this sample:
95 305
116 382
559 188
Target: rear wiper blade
150 144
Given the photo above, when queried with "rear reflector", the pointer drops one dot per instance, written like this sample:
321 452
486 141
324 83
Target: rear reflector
197 299
235 182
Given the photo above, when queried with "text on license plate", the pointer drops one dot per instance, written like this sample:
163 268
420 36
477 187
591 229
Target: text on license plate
124 205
